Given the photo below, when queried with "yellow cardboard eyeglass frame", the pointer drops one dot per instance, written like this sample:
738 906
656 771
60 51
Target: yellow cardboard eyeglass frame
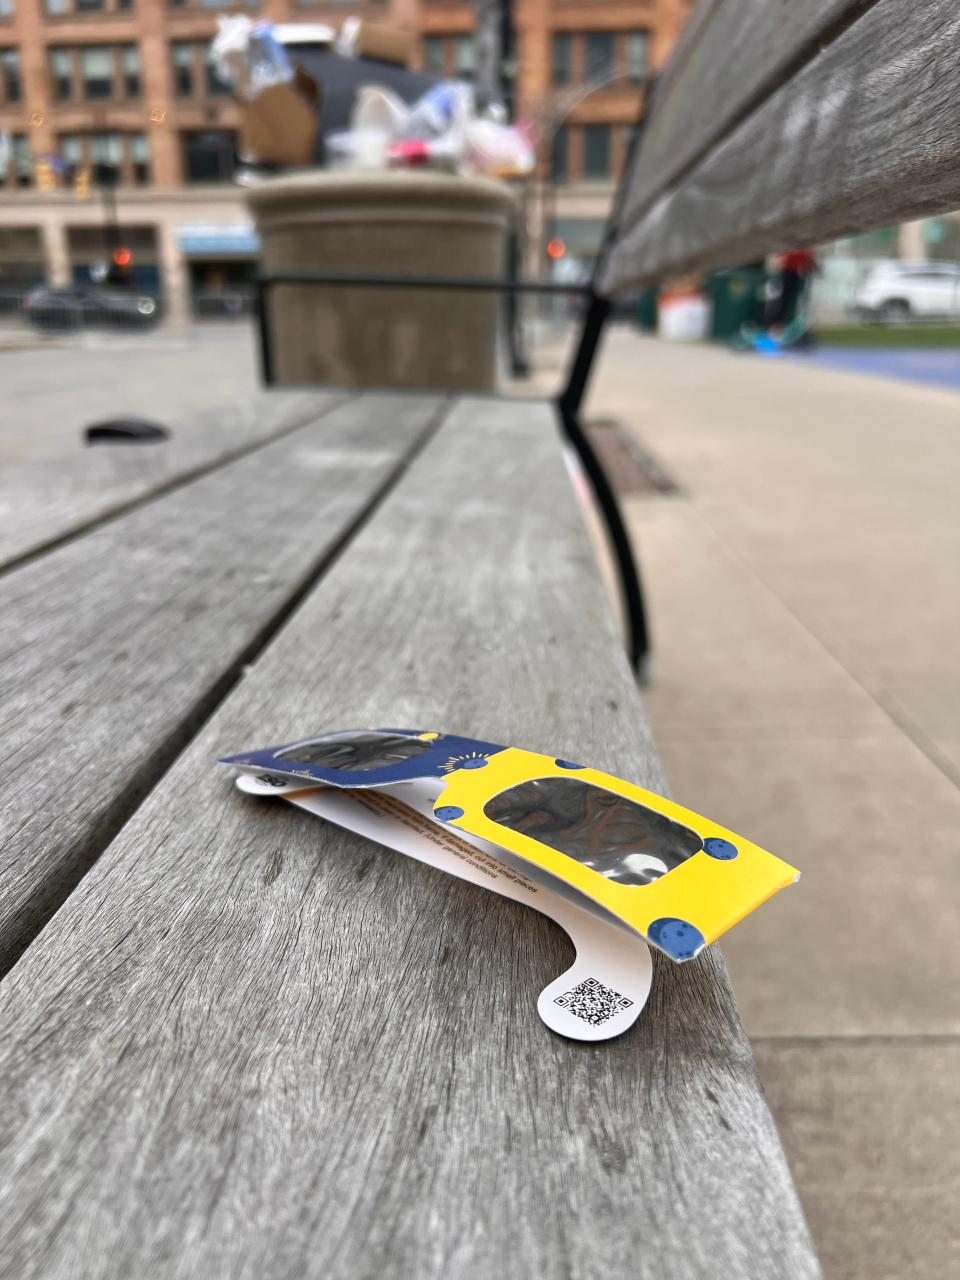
704 891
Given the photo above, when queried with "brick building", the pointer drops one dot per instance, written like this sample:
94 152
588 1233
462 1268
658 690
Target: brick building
126 83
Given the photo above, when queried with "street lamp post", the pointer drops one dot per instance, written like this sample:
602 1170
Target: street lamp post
550 120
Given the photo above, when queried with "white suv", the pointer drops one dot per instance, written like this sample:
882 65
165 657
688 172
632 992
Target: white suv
898 291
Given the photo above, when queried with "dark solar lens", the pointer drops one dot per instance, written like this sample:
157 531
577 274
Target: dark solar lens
355 752
614 836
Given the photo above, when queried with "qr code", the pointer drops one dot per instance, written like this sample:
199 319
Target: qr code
593 1002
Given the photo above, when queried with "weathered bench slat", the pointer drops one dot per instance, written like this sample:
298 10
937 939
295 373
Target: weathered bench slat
252 1045
865 135
114 644
43 502
732 55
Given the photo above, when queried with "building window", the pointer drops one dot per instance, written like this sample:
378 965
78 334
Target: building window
433 59
7 8
10 84
596 151
61 72
8 161
131 70
558 159
106 150
637 43
182 57
96 66
598 61
562 59
216 88
209 155
71 153
22 160
140 158
193 71
465 60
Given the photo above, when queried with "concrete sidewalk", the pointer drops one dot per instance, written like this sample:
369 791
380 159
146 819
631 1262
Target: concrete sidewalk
804 590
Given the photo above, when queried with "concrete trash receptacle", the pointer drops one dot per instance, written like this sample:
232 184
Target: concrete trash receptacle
393 223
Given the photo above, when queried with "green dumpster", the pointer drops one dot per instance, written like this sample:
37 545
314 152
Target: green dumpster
645 315
736 298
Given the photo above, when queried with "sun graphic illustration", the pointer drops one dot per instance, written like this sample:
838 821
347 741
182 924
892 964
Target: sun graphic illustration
469 760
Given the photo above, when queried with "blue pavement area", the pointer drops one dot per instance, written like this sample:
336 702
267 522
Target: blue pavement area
935 367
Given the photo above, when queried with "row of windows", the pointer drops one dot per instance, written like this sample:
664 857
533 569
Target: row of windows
598 57
96 72
127 153
207 155
591 152
579 57
60 8
64 8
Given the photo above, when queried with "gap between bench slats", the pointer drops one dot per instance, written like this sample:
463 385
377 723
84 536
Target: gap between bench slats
45 502
254 1045
864 136
115 646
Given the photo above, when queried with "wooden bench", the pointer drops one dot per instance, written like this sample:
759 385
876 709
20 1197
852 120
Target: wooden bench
239 1043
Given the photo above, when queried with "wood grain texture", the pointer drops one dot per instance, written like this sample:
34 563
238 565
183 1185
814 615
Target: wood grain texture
733 54
254 1045
46 501
867 134
114 644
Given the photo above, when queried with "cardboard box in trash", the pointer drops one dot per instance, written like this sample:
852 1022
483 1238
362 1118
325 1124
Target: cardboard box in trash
377 40
279 125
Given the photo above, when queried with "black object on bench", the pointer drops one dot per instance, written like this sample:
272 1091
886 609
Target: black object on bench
126 431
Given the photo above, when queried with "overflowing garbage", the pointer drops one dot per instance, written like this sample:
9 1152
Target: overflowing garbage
444 129
247 56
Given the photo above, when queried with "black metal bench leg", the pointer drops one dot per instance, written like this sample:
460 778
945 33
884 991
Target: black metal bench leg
568 405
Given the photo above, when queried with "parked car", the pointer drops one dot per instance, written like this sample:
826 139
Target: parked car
228 303
78 306
894 292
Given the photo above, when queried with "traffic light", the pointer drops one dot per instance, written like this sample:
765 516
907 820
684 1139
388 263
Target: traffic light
556 249
120 271
81 183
